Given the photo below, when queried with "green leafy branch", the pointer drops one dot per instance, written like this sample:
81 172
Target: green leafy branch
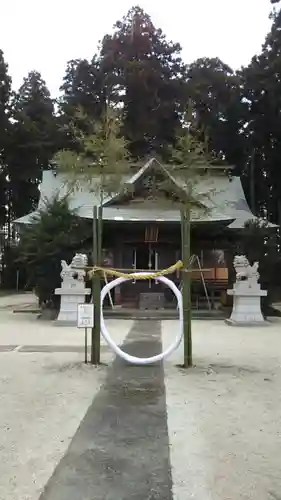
103 159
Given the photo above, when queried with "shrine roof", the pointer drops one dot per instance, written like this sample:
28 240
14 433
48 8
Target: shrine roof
225 200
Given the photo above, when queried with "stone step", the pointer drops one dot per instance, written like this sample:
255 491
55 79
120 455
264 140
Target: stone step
162 314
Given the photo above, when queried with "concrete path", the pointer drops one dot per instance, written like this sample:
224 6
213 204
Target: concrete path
121 450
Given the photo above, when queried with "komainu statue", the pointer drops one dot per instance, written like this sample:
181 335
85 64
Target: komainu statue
247 294
244 271
73 289
75 271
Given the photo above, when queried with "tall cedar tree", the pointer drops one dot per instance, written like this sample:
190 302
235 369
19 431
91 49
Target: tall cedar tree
5 95
35 139
145 75
262 83
215 92
83 87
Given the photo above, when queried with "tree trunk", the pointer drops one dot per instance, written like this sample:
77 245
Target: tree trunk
253 183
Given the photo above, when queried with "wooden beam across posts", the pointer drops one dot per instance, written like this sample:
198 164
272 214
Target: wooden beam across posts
186 291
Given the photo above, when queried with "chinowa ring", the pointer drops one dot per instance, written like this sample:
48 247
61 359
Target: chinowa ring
128 357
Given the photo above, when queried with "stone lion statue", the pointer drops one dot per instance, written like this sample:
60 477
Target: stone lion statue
75 270
79 261
244 271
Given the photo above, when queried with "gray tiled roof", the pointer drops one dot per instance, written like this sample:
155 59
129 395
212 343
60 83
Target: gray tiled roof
226 201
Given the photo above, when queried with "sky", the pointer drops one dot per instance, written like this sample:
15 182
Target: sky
44 35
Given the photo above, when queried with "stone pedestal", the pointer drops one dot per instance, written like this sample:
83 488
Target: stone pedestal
70 298
246 309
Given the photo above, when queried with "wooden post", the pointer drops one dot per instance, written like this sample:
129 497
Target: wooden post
186 289
98 286
95 344
86 346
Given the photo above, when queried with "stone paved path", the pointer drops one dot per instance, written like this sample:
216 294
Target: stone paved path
121 449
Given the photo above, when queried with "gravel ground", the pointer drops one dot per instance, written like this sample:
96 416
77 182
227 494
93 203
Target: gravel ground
224 415
12 300
25 329
43 398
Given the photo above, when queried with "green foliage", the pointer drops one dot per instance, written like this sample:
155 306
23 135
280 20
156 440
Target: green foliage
55 234
103 158
190 152
141 73
259 243
33 141
261 82
189 163
216 95
83 88
258 239
5 95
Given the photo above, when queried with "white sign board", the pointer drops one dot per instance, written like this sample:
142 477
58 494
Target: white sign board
85 316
